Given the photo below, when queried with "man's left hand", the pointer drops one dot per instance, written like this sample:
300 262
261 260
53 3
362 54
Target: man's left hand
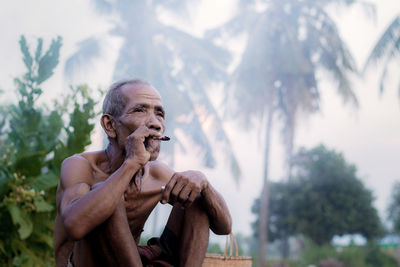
184 187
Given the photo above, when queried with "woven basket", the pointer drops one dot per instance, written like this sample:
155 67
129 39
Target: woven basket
217 260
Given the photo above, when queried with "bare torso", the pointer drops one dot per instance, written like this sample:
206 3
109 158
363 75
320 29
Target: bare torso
140 198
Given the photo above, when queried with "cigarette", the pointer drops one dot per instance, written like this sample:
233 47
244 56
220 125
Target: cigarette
163 138
163 187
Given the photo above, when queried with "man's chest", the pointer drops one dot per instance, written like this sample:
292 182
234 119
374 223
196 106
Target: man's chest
139 203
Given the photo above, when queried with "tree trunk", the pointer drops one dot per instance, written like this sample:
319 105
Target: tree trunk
263 226
289 164
289 149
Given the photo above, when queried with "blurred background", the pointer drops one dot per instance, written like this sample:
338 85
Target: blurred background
290 107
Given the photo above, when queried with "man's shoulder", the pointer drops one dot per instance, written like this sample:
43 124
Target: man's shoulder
75 160
160 171
83 159
77 168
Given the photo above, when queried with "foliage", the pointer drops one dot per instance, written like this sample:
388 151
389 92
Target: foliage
369 255
281 220
394 208
323 199
386 50
288 43
34 140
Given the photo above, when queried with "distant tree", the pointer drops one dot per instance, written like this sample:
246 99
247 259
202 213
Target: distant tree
393 212
324 198
394 208
386 50
288 43
34 139
281 219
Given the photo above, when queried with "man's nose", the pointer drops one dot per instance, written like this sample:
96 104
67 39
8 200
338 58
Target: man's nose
154 123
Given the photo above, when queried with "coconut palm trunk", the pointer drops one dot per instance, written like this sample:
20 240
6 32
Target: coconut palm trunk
263 225
289 145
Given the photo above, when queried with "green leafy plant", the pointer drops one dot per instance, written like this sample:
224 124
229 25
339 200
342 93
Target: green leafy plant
34 141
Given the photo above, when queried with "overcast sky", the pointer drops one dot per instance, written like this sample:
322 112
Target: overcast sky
368 136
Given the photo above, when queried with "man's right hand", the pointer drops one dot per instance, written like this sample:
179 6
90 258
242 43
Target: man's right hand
134 145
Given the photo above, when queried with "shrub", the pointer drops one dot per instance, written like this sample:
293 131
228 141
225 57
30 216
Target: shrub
34 139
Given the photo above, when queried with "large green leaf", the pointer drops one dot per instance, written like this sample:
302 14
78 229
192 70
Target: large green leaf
30 164
25 51
45 181
49 61
3 181
22 219
38 52
2 250
41 205
48 239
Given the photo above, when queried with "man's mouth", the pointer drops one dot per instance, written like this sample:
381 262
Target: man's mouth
148 141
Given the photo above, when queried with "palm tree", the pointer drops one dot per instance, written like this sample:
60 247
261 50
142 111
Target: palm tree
288 43
179 65
387 49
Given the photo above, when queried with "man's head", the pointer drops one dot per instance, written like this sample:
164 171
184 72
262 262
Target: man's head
115 101
128 105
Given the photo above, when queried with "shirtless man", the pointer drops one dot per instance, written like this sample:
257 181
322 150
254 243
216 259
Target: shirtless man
105 197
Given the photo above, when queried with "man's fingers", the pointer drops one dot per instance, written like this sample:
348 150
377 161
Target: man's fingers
168 188
184 194
176 191
191 198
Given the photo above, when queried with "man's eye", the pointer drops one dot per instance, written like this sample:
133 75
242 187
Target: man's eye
161 114
138 110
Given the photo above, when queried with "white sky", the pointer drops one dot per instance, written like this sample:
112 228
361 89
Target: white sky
368 137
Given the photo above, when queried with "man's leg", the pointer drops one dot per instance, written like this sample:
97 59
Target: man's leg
191 228
112 242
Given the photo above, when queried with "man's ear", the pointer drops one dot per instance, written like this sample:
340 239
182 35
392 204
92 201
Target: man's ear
108 124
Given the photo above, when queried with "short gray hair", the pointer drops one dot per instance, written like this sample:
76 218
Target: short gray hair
115 101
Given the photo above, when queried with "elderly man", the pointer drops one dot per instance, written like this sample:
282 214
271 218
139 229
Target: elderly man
105 197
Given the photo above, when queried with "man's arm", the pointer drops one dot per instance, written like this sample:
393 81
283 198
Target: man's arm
185 187
82 207
218 212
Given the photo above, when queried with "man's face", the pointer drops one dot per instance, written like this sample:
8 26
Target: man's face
143 107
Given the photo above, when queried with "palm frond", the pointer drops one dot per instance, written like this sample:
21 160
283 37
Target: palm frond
386 43
196 53
384 74
199 95
88 51
203 62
